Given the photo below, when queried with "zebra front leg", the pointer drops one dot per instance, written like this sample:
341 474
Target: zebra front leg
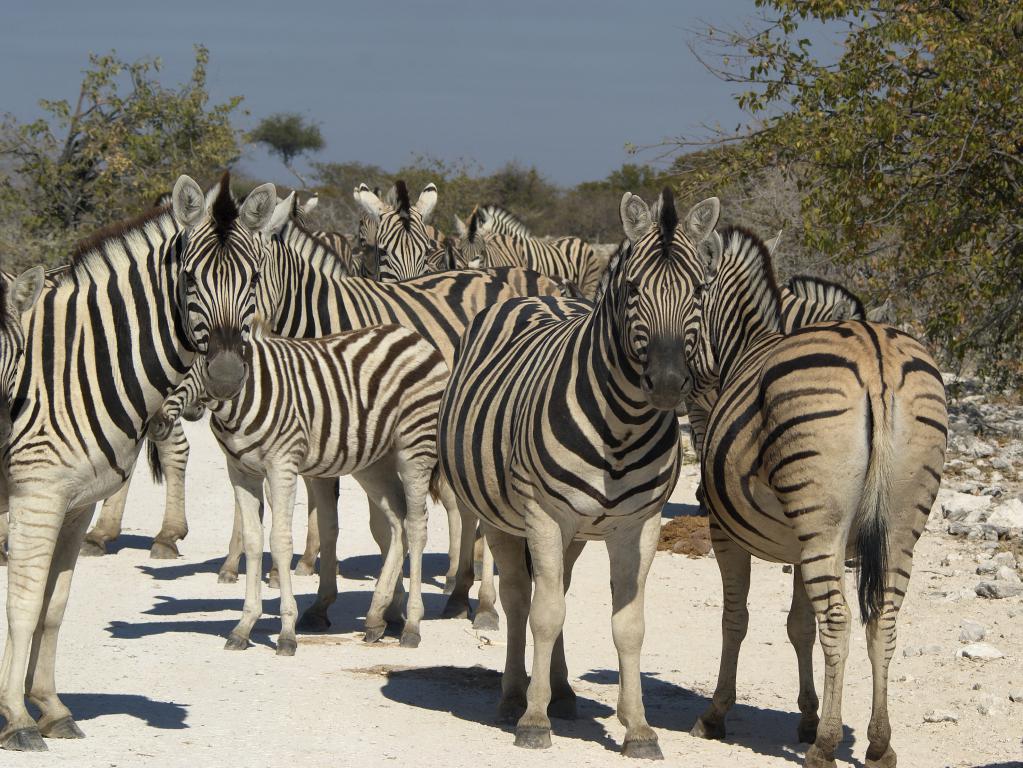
324 492
30 551
486 610
802 630
173 454
55 720
631 553
380 526
417 486
282 488
228 573
306 565
734 564
248 494
510 555
562 696
547 542
108 525
457 606
386 513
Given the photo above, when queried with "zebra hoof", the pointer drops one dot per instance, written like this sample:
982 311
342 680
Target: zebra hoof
226 577
456 608
562 707
410 639
313 621
286 646
533 737
373 634
24 740
486 621
236 642
162 550
886 760
64 728
705 729
808 731
93 548
642 749
304 568
815 758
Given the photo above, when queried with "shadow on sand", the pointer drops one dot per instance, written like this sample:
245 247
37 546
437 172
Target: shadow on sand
156 714
673 509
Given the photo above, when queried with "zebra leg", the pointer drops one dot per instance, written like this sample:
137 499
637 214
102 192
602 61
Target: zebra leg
228 573
802 629
386 513
55 719
510 556
562 696
248 495
30 551
381 530
108 525
734 564
447 498
417 486
3 537
324 492
547 542
173 458
631 553
282 489
486 610
457 606
306 565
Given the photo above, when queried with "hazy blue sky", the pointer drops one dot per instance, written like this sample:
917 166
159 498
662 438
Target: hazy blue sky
559 84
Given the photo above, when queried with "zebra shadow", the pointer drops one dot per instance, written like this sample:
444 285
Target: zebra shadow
181 570
367 568
129 541
166 715
767 732
472 694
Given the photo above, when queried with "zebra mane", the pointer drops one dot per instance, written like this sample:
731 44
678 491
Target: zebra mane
84 249
224 211
3 303
738 235
402 205
668 221
473 226
807 287
495 211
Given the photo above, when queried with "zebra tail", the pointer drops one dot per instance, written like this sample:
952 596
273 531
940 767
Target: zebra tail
435 481
875 512
155 467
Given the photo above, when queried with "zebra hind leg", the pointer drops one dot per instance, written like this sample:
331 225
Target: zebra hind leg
282 488
457 606
324 492
450 504
734 564
248 492
563 699
173 456
802 630
228 573
108 525
487 619
306 565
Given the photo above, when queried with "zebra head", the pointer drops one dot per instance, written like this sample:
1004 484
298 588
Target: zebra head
400 244
16 296
472 240
221 251
653 282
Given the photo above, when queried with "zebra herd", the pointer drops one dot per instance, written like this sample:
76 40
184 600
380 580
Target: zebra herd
521 382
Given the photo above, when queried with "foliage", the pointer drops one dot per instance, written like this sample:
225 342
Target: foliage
288 135
906 152
119 146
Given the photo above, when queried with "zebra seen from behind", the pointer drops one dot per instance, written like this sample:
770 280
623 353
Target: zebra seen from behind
824 444
558 426
103 348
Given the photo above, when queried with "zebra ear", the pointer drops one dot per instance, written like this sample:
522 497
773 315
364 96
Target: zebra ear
310 205
702 218
636 218
710 249
460 229
450 255
427 201
255 213
27 287
188 202
772 244
281 214
370 203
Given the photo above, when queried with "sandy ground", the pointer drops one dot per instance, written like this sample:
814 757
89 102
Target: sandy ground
142 664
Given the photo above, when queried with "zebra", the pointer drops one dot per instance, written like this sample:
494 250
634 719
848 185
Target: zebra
568 257
558 426
400 242
824 444
18 294
501 221
362 403
103 349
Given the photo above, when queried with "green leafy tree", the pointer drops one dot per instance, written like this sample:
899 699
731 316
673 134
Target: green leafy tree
112 152
289 136
906 150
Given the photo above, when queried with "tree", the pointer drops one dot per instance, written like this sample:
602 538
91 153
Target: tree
906 151
121 145
288 135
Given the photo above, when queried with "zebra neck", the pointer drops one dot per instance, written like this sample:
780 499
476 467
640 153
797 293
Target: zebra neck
735 342
616 375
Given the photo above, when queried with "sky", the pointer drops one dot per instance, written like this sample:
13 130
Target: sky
563 85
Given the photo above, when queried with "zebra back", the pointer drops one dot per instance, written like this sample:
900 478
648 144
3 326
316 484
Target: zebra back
812 300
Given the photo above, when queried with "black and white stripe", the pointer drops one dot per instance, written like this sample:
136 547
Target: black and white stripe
398 245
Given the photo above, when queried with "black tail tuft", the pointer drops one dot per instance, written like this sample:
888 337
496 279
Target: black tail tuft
872 554
155 467
435 483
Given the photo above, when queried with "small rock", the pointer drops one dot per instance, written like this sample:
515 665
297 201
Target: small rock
989 706
921 650
976 686
998 590
988 568
972 472
786 568
941 716
979 651
910 679
1007 515
1005 573
956 506
999 463
1005 558
1016 696
971 631
979 449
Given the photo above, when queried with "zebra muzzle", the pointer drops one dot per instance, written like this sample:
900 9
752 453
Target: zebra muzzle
225 375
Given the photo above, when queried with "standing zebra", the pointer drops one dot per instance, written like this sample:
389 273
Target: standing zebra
824 444
362 403
17 296
568 257
557 427
400 242
104 347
